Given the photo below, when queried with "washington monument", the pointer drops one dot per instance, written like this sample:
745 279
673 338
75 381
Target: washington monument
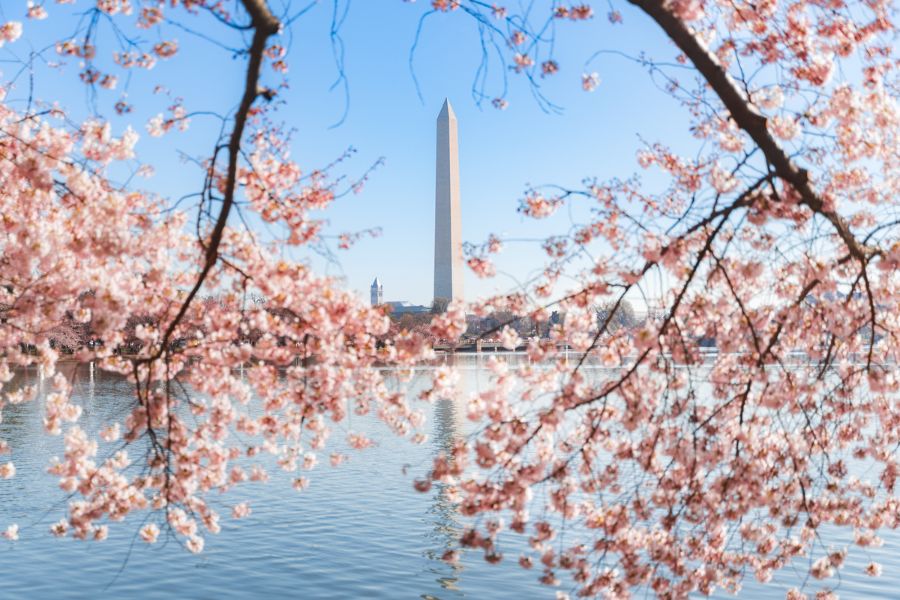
448 257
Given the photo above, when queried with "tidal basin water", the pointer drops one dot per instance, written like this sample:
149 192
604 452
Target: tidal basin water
358 531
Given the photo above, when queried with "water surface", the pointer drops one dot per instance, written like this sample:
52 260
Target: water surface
358 531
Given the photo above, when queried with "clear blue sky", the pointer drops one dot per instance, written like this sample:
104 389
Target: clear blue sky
500 151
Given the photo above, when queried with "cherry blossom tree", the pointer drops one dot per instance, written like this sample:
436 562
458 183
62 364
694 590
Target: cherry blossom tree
669 471
683 473
179 296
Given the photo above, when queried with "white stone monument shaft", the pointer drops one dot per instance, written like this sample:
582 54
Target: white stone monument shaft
448 255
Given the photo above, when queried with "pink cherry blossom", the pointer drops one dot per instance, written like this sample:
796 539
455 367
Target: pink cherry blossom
10 31
149 533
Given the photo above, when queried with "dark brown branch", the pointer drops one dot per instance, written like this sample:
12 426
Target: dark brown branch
750 120
264 25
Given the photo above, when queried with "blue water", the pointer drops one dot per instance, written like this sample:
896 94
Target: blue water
358 531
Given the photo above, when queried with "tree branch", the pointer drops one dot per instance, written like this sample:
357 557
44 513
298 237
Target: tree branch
264 25
750 120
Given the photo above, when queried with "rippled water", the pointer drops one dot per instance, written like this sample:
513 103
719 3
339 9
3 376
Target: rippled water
359 530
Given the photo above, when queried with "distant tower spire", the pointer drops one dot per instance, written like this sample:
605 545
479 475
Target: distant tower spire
448 256
376 293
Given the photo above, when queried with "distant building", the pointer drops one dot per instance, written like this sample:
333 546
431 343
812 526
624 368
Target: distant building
405 308
376 293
